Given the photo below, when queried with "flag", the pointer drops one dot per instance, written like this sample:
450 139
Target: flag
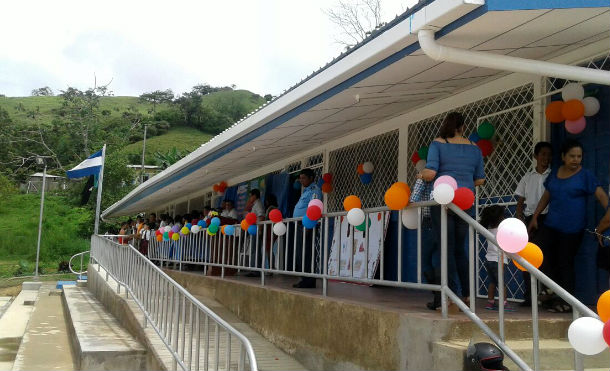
91 166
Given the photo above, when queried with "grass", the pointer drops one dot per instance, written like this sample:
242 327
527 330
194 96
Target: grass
184 139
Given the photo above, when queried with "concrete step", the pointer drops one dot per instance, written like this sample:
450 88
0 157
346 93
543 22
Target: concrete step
514 328
99 341
555 354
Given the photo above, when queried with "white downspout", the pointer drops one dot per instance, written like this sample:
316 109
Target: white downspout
506 63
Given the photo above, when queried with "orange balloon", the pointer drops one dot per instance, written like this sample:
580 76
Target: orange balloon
352 202
397 197
403 185
327 187
159 238
244 225
222 229
553 112
360 169
573 109
603 306
532 254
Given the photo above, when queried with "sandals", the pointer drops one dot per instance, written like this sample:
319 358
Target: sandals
559 307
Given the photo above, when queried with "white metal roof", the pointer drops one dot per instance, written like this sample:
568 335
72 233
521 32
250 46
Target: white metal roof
383 78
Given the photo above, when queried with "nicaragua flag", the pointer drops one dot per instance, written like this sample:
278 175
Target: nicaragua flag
91 166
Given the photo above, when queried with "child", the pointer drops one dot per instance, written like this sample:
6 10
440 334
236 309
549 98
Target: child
491 217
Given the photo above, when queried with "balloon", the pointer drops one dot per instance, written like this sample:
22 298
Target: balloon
171 234
251 218
402 185
159 238
158 232
423 153
409 218
415 157
185 230
188 225
215 221
167 228
486 130
591 106
327 187
275 215
368 167
362 226
463 198
351 202
222 229
175 237
195 229
446 179
396 198
572 91
314 212
252 230
202 223
420 165
213 228
532 254
176 228
328 177
229 230
474 137
279 229
210 233
366 178
512 235
485 146
309 224
443 193
244 225
576 126
586 335
553 112
603 306
296 185
606 332
360 169
355 216
573 109
215 188
223 185
166 235
316 202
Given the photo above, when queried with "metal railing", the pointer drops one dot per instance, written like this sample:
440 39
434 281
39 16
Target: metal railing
81 271
309 253
197 338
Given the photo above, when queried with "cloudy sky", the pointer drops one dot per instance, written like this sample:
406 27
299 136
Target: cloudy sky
261 45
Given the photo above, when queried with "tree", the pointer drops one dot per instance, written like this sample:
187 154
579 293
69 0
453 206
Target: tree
356 19
157 97
169 158
42 92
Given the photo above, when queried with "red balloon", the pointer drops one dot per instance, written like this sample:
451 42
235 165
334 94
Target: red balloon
251 218
327 178
314 213
158 232
275 215
415 157
463 198
170 234
486 147
606 332
216 188
327 187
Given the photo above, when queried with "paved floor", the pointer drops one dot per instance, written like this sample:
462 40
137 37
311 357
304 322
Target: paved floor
13 324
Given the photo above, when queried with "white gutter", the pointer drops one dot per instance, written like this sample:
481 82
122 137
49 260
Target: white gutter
506 63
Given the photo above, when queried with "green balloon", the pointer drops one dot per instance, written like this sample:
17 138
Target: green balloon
361 227
213 228
423 153
486 130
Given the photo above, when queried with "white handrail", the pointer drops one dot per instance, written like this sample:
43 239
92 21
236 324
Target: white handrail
81 254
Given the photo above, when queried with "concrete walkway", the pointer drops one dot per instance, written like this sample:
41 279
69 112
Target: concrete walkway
12 327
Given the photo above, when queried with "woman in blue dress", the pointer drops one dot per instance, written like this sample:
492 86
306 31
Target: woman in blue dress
560 237
454 155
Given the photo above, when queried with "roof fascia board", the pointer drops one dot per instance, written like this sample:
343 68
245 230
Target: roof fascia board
500 5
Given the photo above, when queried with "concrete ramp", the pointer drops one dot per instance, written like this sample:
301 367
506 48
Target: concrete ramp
98 340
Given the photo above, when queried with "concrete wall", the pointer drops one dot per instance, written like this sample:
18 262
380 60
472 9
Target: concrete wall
325 333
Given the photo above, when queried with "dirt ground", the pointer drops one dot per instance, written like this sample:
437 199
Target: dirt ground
11 290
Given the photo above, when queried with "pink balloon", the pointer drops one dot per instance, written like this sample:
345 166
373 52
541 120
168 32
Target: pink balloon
576 126
446 179
512 235
316 202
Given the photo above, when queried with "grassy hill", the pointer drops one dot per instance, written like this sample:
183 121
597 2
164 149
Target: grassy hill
182 138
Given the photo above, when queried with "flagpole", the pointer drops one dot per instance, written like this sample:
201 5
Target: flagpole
99 192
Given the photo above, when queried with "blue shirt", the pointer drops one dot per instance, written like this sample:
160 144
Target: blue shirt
308 194
463 162
568 203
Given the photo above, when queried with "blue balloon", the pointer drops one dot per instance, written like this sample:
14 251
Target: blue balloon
308 223
215 220
320 182
251 230
202 223
188 225
176 228
296 185
229 230
366 178
474 137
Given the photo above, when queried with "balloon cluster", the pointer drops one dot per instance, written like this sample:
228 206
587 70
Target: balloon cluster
279 228
313 213
572 109
482 137
249 224
446 190
220 188
589 335
327 186
418 158
355 214
365 171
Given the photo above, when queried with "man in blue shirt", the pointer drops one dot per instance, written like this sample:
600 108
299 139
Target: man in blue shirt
310 191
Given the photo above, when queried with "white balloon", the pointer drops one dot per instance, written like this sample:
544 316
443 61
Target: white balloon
279 229
420 165
512 235
168 228
410 217
355 216
195 229
443 193
586 335
572 91
591 106
368 167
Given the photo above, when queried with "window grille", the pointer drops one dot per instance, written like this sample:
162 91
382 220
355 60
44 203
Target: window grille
293 167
